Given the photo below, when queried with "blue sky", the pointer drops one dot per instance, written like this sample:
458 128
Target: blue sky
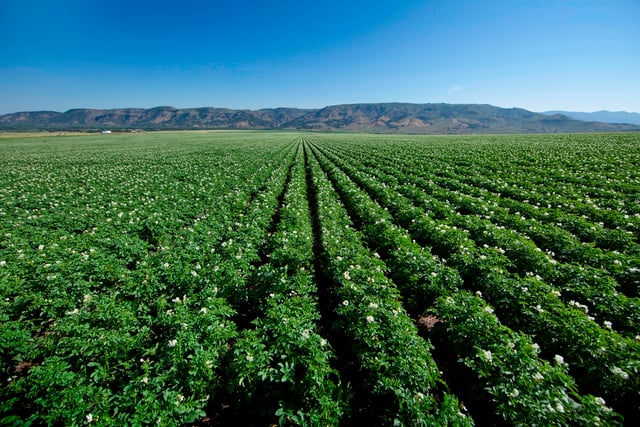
539 55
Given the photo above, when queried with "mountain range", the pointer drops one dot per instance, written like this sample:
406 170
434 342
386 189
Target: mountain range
601 116
382 118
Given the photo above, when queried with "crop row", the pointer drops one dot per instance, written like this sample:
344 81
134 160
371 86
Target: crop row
254 278
122 321
501 183
607 361
395 367
579 273
282 366
524 388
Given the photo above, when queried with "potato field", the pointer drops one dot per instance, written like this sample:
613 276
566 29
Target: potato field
271 278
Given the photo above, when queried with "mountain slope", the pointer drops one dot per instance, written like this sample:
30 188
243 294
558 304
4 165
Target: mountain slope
153 119
602 116
383 117
442 118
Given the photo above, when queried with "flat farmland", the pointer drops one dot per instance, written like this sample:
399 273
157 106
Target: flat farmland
261 278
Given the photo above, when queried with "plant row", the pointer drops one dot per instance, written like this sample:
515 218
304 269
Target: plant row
524 388
394 365
606 362
592 287
281 368
118 327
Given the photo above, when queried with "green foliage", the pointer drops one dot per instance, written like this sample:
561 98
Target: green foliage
155 278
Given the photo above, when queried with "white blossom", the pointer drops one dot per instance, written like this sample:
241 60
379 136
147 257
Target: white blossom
579 306
180 399
172 343
619 372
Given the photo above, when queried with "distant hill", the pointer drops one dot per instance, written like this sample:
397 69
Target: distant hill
443 119
602 116
383 118
158 118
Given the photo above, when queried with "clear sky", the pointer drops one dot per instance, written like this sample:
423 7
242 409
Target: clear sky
579 55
